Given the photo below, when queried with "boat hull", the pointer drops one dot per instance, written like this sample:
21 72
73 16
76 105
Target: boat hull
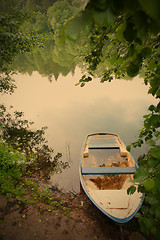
111 199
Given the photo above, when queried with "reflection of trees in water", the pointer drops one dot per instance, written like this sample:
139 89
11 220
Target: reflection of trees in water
56 57
17 132
41 62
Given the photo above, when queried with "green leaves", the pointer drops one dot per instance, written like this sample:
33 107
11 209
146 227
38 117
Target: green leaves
72 29
140 175
100 5
155 85
146 224
11 166
104 18
103 12
128 148
130 33
141 22
146 52
131 50
119 32
131 190
112 22
149 184
152 121
7 84
80 25
155 152
83 80
158 213
151 8
132 70
14 41
151 108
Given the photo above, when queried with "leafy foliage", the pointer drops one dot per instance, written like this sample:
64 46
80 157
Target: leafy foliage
148 175
60 12
14 41
7 83
11 167
54 58
121 37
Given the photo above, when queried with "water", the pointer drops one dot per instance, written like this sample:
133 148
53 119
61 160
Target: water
72 112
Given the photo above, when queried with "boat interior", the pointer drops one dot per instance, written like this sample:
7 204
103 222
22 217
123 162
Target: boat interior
106 164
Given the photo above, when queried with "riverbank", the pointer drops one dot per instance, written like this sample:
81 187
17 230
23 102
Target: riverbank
77 220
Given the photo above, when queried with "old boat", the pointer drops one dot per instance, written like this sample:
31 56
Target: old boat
106 170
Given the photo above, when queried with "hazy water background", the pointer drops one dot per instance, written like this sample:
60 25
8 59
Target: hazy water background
72 112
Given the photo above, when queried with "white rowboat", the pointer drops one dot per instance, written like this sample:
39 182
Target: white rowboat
106 170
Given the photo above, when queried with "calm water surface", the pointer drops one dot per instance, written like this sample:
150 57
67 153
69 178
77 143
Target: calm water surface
72 112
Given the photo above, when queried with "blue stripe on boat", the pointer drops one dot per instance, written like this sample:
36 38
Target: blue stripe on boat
107 170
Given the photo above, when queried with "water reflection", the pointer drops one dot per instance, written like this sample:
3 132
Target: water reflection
72 112
99 157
